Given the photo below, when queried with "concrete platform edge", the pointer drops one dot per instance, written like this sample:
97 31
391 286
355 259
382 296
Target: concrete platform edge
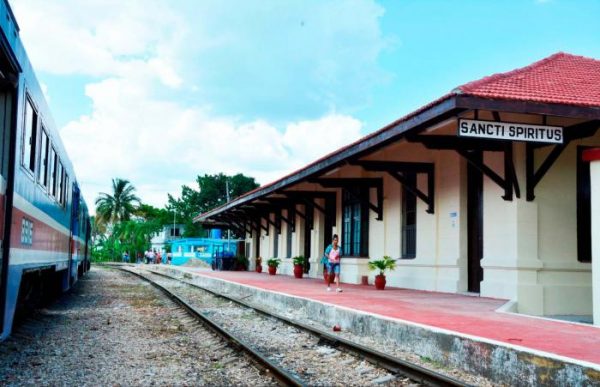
501 362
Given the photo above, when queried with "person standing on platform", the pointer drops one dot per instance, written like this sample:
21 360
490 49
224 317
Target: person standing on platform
333 252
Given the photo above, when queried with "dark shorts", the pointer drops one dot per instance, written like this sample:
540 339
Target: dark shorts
333 268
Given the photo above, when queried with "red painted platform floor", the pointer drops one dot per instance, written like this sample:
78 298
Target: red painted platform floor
474 316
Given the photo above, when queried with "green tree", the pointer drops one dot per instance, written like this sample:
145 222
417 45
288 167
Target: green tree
211 193
133 236
120 205
150 213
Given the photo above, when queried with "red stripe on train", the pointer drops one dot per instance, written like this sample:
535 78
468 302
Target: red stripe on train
45 237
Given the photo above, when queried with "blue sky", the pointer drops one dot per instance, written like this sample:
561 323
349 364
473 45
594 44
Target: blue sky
160 91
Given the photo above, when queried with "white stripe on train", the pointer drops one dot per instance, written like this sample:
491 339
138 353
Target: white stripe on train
26 256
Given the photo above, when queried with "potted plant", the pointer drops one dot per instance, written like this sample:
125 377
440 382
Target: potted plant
273 263
258 265
298 266
387 263
241 263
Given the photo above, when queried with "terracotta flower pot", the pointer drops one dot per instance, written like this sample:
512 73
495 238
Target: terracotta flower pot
298 271
380 282
259 268
272 270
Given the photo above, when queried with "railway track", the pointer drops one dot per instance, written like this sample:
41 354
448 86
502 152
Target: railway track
282 376
360 364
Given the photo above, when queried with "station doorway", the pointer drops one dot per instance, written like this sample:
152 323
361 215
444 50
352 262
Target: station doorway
474 225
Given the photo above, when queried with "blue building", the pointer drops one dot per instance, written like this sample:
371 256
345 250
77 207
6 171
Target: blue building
202 248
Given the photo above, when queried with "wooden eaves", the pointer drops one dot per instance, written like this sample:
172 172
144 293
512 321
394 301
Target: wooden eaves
448 106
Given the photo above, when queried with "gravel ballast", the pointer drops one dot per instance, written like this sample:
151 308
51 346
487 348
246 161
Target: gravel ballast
114 329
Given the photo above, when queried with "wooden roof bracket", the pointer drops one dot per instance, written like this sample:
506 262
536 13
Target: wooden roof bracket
308 197
508 183
369 182
306 215
399 169
465 146
266 228
533 177
231 223
573 132
289 220
267 216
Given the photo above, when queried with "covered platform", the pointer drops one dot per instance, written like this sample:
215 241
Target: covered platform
477 317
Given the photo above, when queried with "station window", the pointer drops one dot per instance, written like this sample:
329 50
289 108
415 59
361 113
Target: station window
43 169
275 244
288 241
409 219
355 222
29 136
584 208
175 232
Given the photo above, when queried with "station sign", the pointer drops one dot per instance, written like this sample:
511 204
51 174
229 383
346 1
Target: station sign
510 131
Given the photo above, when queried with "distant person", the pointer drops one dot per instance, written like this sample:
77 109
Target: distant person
138 257
333 252
169 257
126 257
151 256
158 258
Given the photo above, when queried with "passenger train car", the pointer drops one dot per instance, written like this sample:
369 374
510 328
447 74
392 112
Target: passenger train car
44 222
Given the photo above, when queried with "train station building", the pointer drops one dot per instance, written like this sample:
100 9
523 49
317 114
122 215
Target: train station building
491 189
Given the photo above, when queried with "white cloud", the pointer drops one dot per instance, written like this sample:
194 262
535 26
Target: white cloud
159 145
192 87
92 38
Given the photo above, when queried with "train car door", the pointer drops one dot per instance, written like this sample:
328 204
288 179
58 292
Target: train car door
9 75
74 232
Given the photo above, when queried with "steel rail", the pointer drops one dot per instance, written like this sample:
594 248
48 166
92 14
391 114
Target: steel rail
410 370
282 376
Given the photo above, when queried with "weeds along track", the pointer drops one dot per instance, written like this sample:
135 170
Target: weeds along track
308 355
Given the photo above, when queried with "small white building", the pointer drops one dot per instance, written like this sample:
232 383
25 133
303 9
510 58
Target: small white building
484 190
166 235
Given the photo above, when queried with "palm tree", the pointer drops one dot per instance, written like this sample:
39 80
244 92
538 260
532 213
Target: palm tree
120 205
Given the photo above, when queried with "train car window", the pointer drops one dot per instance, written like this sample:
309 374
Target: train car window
52 173
43 169
66 190
60 174
57 179
30 136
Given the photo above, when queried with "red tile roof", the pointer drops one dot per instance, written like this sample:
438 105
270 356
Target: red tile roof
561 78
558 79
